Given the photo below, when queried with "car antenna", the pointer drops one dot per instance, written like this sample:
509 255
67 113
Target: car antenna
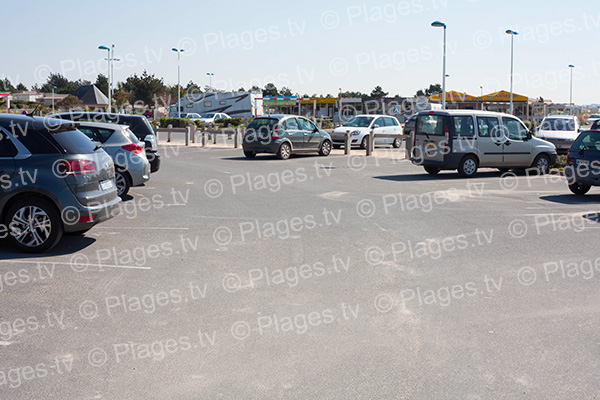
31 114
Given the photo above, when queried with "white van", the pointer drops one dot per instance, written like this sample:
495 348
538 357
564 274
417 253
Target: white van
467 140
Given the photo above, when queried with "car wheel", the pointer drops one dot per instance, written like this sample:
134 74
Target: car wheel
285 151
397 143
325 148
122 183
468 166
432 170
541 164
249 154
35 225
579 188
365 142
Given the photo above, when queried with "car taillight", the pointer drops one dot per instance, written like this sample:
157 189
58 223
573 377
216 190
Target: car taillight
135 148
447 135
568 159
77 167
275 134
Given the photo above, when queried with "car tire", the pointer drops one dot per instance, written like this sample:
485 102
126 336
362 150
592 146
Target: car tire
432 170
468 166
541 164
249 154
122 182
325 149
45 213
579 188
364 142
285 151
397 143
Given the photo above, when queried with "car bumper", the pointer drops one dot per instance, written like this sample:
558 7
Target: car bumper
561 144
99 213
258 147
450 161
582 174
154 159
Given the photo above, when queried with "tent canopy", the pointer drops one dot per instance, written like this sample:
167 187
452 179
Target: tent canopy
454 96
503 96
457 97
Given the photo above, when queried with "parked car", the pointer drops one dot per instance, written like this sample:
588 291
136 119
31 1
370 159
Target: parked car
53 180
284 135
467 140
593 118
193 116
138 124
596 126
208 118
409 125
560 130
360 126
132 167
583 163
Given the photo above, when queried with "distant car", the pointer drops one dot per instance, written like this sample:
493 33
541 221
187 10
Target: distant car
284 135
193 116
560 130
583 163
208 118
54 180
596 126
132 168
360 126
409 125
138 124
593 118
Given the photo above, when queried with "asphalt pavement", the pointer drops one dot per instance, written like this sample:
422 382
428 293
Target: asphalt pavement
317 277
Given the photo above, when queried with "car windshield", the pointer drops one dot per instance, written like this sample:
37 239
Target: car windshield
594 116
259 123
208 115
558 124
359 122
589 140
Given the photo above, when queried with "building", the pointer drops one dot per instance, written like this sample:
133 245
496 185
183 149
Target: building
234 104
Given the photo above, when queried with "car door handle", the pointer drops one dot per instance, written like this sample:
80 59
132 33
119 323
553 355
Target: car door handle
507 143
498 143
306 134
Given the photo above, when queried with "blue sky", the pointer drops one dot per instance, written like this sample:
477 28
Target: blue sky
314 47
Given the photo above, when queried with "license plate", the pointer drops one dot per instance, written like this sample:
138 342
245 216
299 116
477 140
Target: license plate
429 146
105 185
583 162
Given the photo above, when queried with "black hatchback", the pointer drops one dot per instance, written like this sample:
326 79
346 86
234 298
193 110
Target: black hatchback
53 179
583 162
138 124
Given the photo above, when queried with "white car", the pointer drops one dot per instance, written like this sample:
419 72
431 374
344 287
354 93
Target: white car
208 118
361 125
193 116
560 130
593 118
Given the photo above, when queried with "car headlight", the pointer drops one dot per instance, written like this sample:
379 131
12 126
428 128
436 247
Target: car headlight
152 140
355 133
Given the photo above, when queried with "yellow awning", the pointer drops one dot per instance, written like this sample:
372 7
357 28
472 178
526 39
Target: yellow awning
454 96
503 96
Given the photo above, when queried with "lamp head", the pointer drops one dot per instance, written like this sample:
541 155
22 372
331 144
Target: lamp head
571 66
438 24
103 48
511 32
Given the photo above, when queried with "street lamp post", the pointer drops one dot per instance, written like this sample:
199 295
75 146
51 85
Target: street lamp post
481 96
571 66
178 51
108 59
53 87
438 24
210 75
512 37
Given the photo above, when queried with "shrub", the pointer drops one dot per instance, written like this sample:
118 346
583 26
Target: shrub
325 123
176 122
224 122
561 162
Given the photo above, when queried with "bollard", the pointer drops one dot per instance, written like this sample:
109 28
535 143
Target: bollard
236 138
371 144
203 138
194 131
169 133
348 143
188 130
214 135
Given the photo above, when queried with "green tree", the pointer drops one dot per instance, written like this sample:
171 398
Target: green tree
255 89
102 84
430 91
348 94
6 86
143 88
285 91
69 102
378 92
121 97
270 90
22 88
63 85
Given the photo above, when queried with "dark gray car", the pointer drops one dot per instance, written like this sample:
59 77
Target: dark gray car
53 179
284 135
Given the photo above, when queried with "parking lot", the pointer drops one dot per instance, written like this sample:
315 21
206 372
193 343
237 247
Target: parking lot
314 277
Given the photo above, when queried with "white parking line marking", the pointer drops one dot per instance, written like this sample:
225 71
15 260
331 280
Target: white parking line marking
68 263
131 227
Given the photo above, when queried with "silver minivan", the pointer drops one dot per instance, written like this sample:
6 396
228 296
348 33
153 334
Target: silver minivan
466 140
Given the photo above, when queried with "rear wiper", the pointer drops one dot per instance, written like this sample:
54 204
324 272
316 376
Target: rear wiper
584 148
98 147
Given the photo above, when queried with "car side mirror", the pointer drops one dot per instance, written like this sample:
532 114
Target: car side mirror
315 130
529 135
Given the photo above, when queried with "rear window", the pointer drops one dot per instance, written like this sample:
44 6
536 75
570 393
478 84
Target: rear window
74 142
558 124
587 141
430 124
262 123
38 141
596 125
7 148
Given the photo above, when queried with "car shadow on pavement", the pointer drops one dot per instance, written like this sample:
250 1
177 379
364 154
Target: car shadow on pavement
273 157
439 177
572 199
68 245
